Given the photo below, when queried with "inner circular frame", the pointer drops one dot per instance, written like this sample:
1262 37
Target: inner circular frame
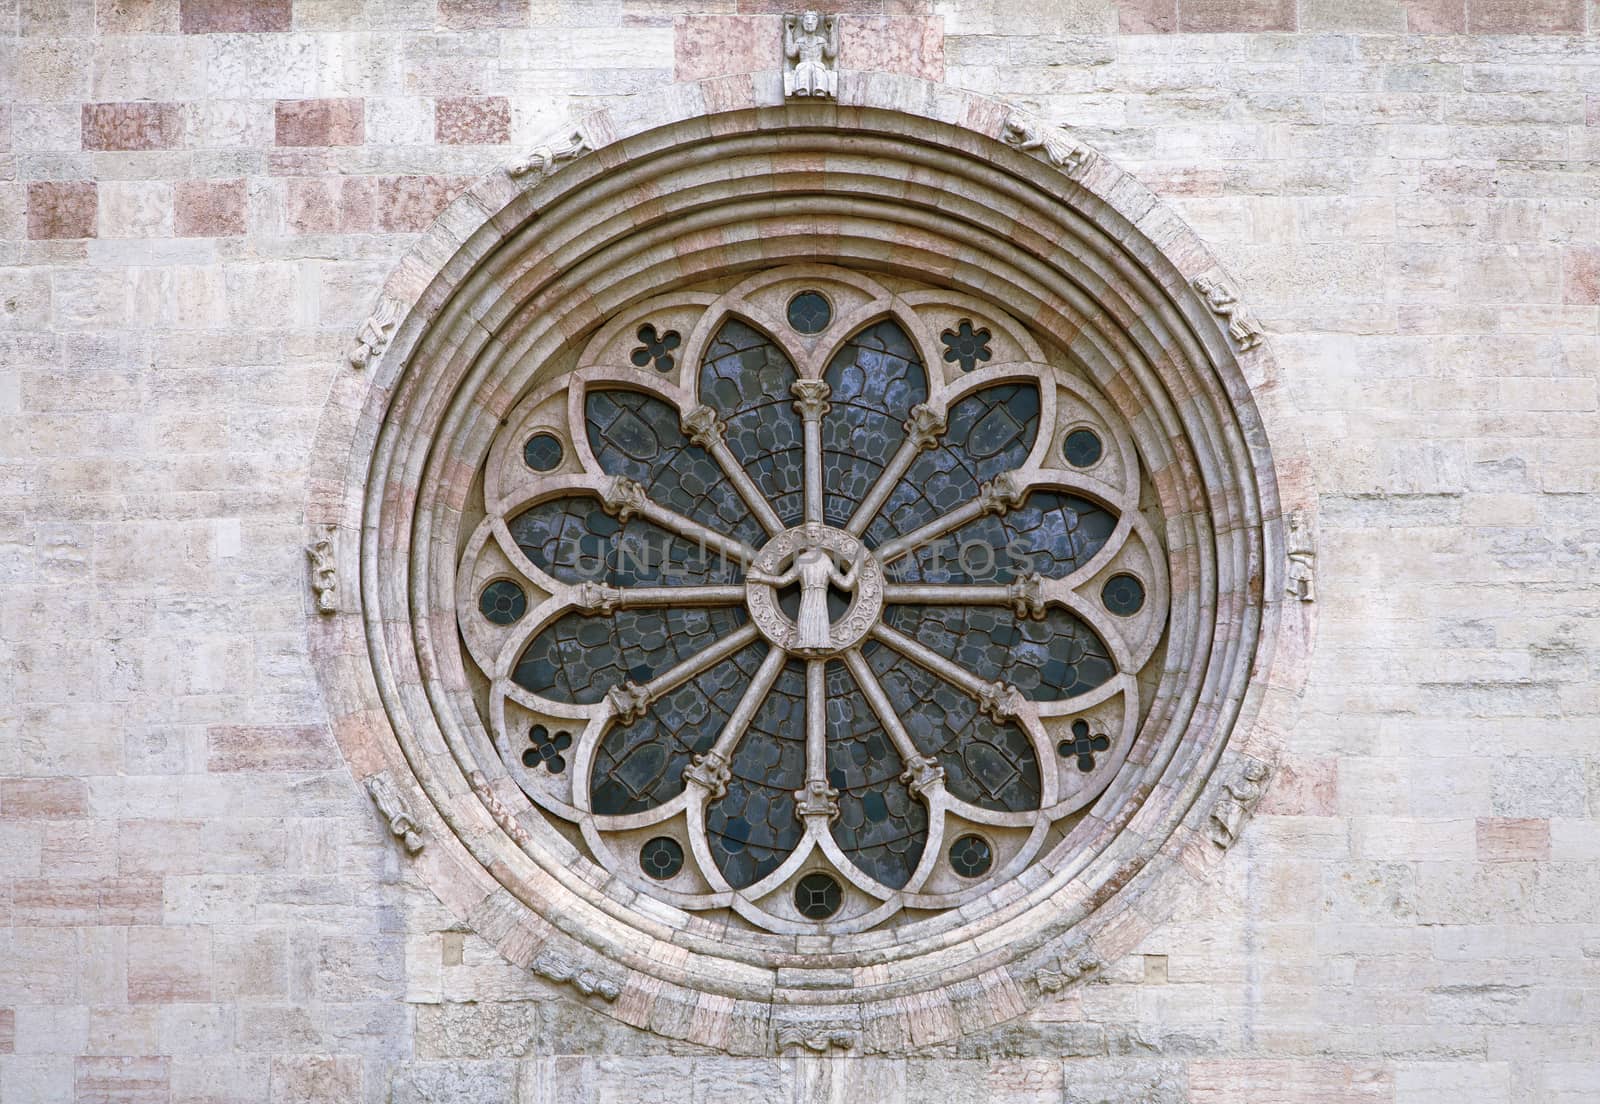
491 293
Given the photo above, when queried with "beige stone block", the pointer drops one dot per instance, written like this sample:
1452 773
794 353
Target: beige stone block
136 209
169 964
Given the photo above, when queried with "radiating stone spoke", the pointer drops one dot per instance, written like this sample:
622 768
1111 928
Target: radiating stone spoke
997 699
922 775
817 799
923 429
599 598
630 699
711 770
1025 596
811 402
1002 493
706 430
623 498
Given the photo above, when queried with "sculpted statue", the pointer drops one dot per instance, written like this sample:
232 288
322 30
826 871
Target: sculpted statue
815 569
811 54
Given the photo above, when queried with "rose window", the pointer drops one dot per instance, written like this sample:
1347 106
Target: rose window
822 600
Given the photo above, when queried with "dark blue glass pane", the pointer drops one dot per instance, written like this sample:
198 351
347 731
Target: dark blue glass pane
575 540
1082 448
881 826
875 380
580 657
640 765
990 432
809 312
661 857
754 827
971 856
1051 533
503 602
1057 657
990 765
1123 595
638 436
745 378
817 895
542 452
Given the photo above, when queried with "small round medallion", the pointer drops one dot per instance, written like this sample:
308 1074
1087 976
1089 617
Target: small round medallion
816 558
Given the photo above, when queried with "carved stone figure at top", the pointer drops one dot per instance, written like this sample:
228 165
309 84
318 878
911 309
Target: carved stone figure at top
811 55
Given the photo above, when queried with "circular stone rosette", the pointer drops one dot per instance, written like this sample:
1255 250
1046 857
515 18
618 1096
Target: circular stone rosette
809 571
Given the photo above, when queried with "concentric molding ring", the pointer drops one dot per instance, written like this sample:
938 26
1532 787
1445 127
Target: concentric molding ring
720 178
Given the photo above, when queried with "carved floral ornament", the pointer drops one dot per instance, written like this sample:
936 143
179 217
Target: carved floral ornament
757 672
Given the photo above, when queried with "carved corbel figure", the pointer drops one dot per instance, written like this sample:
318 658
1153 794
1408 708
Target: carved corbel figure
1001 701
811 55
587 982
1071 967
628 701
1002 493
921 774
324 572
711 772
544 159
401 825
622 497
1224 303
925 426
373 336
817 1039
1027 596
1023 134
1234 808
1302 553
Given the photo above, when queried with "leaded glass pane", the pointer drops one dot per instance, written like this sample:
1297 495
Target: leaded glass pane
873 381
575 540
753 827
1055 657
581 656
881 827
1052 534
746 379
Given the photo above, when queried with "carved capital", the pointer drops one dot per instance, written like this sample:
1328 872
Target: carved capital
922 774
1224 303
401 825
1001 701
1027 596
1242 795
324 573
598 598
817 799
629 701
703 427
811 398
1003 493
622 497
544 159
925 426
710 772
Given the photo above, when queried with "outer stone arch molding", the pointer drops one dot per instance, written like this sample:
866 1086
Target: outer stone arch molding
721 178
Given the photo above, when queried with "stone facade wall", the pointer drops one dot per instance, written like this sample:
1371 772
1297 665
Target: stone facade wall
198 202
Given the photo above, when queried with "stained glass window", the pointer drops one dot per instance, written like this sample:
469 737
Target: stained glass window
829 626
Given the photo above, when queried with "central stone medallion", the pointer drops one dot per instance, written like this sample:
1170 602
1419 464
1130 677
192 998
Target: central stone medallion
817 558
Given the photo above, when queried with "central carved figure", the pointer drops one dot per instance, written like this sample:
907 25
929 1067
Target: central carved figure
815 569
813 553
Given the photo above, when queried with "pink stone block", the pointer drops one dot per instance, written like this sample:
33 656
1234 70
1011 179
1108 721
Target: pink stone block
887 44
1580 275
1511 839
62 209
169 965
472 121
837 7
131 126
210 208
136 16
122 1080
1436 16
1307 787
8 1031
1221 16
42 798
1147 16
338 206
234 16
1525 16
716 46
1298 1081
411 203
270 747
320 122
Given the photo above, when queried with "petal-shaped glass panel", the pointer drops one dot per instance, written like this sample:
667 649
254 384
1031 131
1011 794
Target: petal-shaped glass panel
753 827
992 766
581 656
874 381
639 436
575 540
1052 533
989 432
881 826
640 765
1051 659
745 378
